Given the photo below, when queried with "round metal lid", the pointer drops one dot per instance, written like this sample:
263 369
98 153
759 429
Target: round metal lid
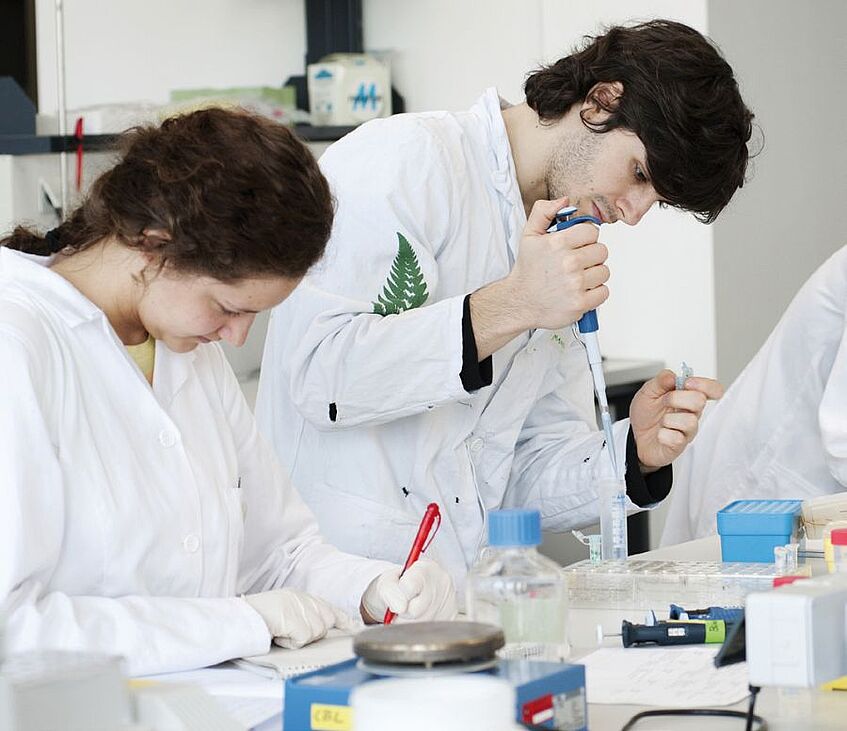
428 643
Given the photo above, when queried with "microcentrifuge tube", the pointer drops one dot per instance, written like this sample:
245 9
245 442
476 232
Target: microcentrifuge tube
594 543
791 557
780 556
685 372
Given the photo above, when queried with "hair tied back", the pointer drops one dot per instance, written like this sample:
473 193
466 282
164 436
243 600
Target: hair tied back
53 244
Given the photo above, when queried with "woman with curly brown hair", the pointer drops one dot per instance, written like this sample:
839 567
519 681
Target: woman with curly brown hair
139 500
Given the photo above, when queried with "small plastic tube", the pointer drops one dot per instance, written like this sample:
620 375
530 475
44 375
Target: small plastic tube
595 548
839 550
827 543
594 543
791 557
685 372
780 557
612 498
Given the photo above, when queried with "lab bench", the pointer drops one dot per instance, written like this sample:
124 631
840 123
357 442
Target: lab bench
783 709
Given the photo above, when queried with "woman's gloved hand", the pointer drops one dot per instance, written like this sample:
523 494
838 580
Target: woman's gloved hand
424 592
295 618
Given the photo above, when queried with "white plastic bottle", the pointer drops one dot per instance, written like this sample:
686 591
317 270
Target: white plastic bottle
516 588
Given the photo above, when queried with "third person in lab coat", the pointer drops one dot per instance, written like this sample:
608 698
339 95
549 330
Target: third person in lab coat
430 357
781 430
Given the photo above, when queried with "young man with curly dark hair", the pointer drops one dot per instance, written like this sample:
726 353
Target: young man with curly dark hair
432 355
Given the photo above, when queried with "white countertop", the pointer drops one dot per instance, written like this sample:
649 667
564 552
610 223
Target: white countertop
784 709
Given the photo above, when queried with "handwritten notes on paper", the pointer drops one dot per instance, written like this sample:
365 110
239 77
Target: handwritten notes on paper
672 677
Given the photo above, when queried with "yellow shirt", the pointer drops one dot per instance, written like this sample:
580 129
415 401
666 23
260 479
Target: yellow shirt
144 355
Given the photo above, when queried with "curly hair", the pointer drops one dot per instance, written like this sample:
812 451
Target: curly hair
238 196
679 97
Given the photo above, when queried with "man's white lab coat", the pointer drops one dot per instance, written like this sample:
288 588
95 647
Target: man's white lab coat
781 429
368 410
132 516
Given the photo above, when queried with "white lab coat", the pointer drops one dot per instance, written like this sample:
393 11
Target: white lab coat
406 432
781 429
133 516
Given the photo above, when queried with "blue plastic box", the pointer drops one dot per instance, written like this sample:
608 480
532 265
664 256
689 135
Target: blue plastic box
751 529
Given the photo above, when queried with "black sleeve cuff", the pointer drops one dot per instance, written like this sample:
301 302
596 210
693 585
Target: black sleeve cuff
642 489
474 374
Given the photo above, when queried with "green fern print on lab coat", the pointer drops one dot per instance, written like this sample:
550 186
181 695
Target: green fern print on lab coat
405 287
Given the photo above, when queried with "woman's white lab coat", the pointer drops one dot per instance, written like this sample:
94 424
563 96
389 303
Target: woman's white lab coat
133 516
781 429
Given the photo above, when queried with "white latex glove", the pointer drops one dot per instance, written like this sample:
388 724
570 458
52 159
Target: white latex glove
295 618
424 592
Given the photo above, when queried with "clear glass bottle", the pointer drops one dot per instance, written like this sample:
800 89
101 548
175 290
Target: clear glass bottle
516 588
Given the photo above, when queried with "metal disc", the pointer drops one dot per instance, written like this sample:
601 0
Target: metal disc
395 670
428 643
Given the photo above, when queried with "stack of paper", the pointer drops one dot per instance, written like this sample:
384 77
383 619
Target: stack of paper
282 663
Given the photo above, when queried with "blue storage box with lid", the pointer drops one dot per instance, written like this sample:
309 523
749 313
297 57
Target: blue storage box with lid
751 529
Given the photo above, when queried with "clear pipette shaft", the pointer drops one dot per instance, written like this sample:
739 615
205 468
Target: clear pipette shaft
595 362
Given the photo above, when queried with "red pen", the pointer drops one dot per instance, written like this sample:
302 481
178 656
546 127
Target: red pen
430 516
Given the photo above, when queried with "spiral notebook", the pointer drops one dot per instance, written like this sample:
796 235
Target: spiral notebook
282 663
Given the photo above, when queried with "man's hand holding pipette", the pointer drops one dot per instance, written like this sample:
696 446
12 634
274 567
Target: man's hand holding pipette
665 420
557 278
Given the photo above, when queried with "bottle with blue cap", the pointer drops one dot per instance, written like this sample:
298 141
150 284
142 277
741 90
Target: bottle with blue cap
516 588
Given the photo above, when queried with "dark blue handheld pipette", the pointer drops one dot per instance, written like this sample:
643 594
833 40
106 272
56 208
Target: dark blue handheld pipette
588 328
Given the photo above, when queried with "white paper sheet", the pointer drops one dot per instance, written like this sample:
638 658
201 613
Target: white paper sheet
245 696
252 712
671 677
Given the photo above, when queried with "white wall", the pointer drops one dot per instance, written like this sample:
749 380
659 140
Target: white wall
119 51
791 61
446 53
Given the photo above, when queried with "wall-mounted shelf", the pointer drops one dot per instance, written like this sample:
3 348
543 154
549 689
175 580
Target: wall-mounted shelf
308 133
45 144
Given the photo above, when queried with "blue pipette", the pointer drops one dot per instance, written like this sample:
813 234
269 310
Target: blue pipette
588 329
